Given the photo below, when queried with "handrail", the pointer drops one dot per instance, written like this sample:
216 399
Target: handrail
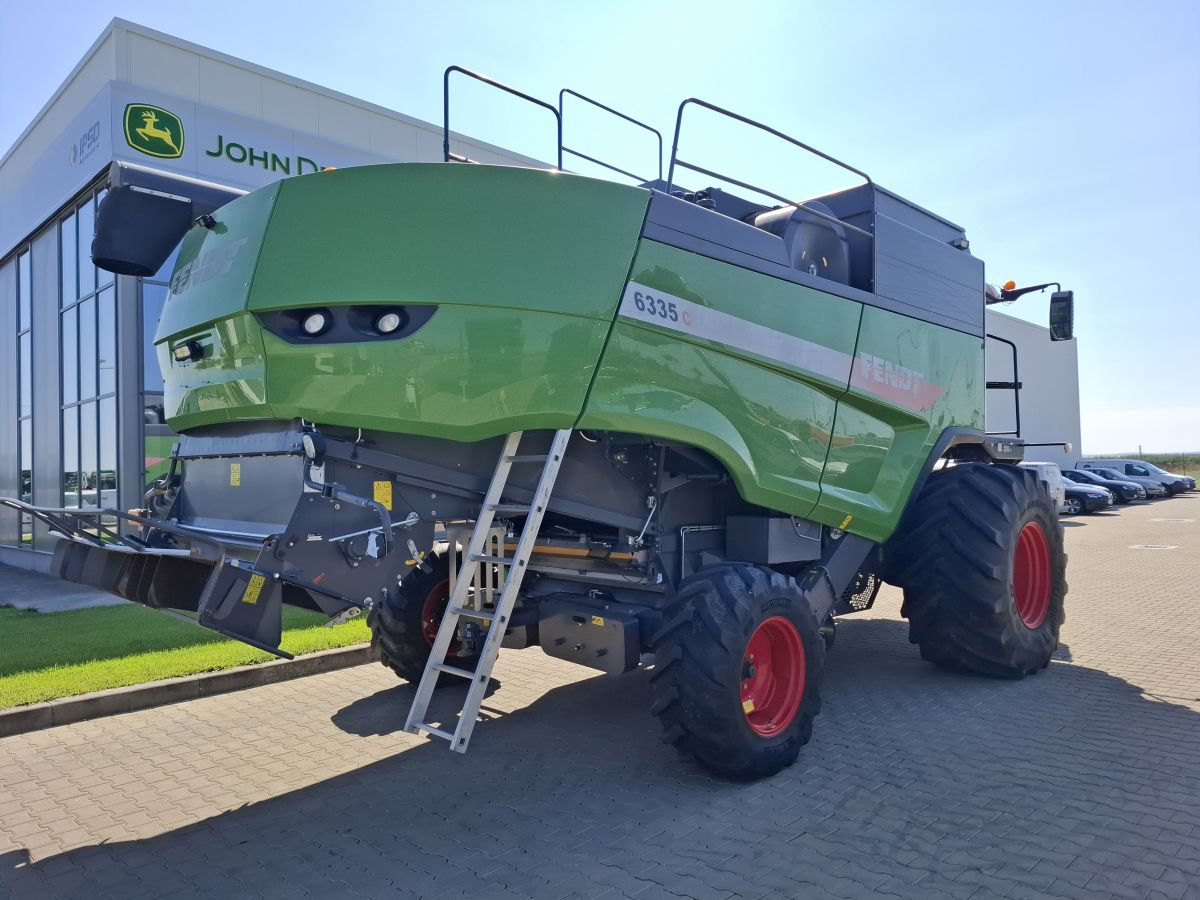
447 156
676 160
1014 386
564 149
759 125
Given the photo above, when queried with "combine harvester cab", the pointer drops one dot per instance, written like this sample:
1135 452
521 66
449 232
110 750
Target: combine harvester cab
632 424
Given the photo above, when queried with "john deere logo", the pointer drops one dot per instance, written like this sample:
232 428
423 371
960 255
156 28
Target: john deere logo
153 131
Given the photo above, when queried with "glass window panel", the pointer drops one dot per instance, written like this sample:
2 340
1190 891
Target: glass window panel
87 272
26 453
25 384
24 293
153 297
106 329
70 439
108 452
164 272
87 349
70 286
102 278
89 481
70 356
27 460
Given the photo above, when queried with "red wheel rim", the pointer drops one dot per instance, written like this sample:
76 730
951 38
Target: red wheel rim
1031 575
773 676
432 611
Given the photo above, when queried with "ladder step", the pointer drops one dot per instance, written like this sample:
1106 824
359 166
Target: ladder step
498 560
454 670
485 614
437 732
526 458
507 507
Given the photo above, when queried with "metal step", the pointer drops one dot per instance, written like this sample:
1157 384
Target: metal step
486 615
497 560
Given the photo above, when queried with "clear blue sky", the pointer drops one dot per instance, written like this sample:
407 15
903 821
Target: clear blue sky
1064 136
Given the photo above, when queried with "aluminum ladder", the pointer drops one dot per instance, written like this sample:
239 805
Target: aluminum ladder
512 570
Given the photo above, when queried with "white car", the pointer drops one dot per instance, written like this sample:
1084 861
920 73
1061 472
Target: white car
1051 476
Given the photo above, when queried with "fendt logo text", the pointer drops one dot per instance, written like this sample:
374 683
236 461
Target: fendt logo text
153 130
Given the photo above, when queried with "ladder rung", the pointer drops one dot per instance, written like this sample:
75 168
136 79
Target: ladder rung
438 732
455 670
526 458
498 560
507 507
484 614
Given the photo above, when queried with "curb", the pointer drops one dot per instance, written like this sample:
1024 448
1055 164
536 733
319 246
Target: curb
174 690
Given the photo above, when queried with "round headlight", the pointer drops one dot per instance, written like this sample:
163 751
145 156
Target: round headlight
315 323
387 323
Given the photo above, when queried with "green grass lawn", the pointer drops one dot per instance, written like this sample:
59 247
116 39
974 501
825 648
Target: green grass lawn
48 655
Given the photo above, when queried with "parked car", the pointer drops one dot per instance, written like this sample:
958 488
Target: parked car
1086 498
1123 491
1175 484
1154 487
1049 473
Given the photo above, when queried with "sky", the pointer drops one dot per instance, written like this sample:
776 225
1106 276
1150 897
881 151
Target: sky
1064 137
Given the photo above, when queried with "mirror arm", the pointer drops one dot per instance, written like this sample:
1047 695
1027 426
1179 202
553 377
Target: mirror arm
1009 296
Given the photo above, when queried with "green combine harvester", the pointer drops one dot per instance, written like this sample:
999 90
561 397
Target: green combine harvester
633 425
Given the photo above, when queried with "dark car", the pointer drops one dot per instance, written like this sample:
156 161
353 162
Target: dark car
1154 487
1085 498
1123 491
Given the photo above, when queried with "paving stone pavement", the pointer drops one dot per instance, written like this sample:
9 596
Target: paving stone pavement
1083 781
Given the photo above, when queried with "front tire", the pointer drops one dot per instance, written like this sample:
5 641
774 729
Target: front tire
405 622
980 558
738 667
1073 507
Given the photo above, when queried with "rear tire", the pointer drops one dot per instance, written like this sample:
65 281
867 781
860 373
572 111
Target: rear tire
980 558
404 624
737 674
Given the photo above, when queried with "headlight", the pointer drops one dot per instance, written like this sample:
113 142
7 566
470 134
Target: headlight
387 323
315 323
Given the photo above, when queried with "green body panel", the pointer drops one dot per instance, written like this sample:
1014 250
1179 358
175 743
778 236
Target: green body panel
884 432
468 374
818 405
525 268
227 385
768 422
215 266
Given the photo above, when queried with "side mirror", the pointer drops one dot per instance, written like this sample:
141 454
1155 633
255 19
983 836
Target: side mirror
1062 315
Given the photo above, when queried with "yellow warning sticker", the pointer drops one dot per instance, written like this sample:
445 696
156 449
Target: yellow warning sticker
253 589
383 494
235 474
747 706
598 620
846 523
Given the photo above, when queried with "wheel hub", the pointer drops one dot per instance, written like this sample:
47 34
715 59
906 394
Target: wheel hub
1031 578
774 672
432 611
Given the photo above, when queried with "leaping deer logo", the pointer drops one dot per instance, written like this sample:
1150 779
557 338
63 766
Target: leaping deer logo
150 130
160 132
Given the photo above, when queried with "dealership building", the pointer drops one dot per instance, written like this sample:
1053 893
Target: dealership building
151 118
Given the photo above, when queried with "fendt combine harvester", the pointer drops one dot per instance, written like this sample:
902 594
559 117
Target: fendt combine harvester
634 425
